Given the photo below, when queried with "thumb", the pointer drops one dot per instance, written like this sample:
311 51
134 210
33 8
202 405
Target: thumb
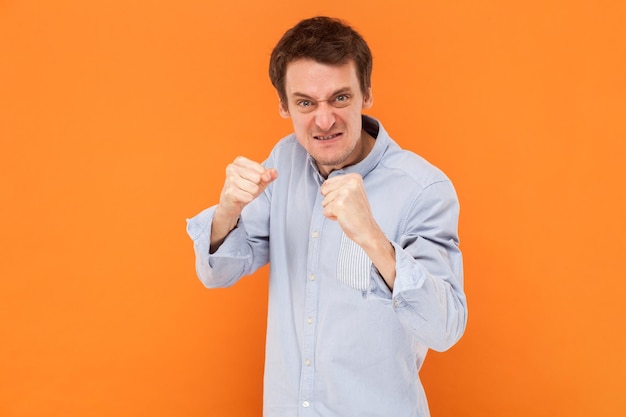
268 176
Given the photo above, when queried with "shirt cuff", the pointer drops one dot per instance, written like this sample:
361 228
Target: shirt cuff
406 278
200 223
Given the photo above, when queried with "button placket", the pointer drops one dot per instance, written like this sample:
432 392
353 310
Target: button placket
307 378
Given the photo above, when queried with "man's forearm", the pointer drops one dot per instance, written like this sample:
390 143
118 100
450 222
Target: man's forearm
383 255
221 226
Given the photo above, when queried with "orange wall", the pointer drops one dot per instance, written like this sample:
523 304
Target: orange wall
117 119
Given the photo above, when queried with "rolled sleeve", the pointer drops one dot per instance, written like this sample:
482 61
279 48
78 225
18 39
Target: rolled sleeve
428 296
229 263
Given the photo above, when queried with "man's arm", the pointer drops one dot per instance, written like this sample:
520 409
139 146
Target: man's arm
245 181
423 271
428 295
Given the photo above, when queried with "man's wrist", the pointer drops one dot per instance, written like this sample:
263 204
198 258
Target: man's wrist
221 226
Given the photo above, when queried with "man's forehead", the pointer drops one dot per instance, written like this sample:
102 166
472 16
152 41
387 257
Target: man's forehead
306 76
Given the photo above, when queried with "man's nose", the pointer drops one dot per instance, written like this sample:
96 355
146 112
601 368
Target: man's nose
324 116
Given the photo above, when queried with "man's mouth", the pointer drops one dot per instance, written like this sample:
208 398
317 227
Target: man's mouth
328 137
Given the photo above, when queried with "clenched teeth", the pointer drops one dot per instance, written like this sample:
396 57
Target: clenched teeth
326 137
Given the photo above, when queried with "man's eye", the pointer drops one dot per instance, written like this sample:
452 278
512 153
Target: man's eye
304 103
342 99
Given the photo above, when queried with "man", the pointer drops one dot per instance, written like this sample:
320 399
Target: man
366 274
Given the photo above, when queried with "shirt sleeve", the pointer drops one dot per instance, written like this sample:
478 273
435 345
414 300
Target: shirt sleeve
232 260
428 295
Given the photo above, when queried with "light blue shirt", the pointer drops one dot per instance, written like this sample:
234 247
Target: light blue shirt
339 342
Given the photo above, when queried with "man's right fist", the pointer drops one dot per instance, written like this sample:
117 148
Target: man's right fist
245 181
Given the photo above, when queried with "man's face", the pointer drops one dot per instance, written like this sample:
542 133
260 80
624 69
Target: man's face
325 103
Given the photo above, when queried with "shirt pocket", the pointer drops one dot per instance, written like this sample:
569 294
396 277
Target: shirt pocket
353 265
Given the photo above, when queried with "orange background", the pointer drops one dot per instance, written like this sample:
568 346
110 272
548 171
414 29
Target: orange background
117 119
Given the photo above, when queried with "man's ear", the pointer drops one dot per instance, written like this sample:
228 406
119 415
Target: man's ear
283 109
368 99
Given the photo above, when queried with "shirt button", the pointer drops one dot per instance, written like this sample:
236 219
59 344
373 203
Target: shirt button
312 277
315 235
307 362
305 404
309 320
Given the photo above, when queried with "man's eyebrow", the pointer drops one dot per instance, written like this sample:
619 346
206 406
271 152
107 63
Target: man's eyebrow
336 93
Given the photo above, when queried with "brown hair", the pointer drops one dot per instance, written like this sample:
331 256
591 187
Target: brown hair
325 40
